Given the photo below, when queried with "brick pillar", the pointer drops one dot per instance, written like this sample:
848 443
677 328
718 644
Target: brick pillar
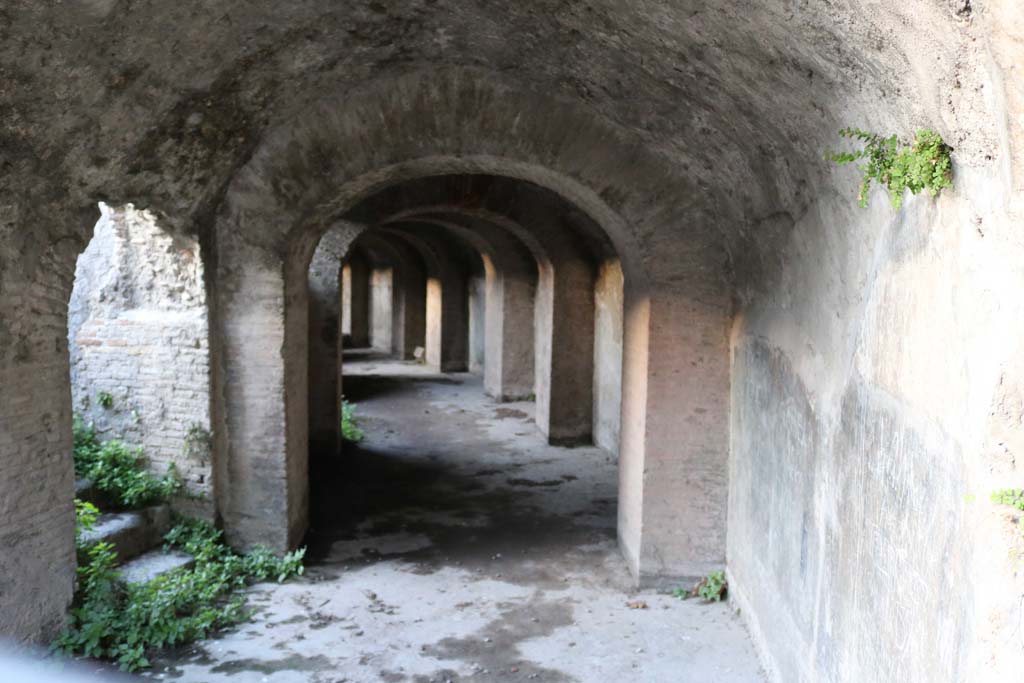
565 358
508 355
37 520
673 462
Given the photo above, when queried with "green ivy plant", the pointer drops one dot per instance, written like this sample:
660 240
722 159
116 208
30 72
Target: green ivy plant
924 165
105 399
117 469
350 430
122 622
711 587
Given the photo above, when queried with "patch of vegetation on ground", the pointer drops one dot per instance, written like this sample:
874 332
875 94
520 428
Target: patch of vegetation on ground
350 430
121 622
712 587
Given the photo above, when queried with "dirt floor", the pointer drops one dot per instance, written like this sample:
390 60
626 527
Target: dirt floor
453 544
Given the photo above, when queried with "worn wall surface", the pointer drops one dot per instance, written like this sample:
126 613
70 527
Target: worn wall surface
876 405
138 332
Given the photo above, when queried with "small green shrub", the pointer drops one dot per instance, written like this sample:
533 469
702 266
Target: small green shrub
350 430
85 518
119 622
86 444
117 470
924 165
711 587
1012 497
105 399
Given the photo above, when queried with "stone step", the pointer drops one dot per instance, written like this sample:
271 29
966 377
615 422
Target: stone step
148 566
131 533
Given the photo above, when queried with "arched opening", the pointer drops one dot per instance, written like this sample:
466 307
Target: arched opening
542 262
263 276
138 339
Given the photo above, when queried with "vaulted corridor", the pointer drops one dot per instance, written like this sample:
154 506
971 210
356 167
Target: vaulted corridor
454 544
751 272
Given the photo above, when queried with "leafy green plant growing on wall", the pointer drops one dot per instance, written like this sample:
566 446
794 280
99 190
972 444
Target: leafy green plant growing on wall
350 430
105 399
117 469
923 165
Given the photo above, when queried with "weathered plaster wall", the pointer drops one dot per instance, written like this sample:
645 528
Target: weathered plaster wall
138 330
876 404
607 355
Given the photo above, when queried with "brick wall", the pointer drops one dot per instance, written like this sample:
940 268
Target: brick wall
138 331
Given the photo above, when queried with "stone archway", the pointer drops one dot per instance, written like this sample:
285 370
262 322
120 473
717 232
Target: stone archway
315 170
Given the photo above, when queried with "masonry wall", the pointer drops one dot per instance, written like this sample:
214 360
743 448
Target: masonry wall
37 520
877 401
138 333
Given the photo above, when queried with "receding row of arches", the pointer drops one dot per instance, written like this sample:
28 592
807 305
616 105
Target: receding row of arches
439 270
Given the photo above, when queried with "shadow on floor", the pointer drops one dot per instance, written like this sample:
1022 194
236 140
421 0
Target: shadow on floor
465 518
449 498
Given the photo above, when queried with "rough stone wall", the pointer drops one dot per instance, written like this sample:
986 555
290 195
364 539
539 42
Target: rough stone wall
608 355
37 521
138 331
